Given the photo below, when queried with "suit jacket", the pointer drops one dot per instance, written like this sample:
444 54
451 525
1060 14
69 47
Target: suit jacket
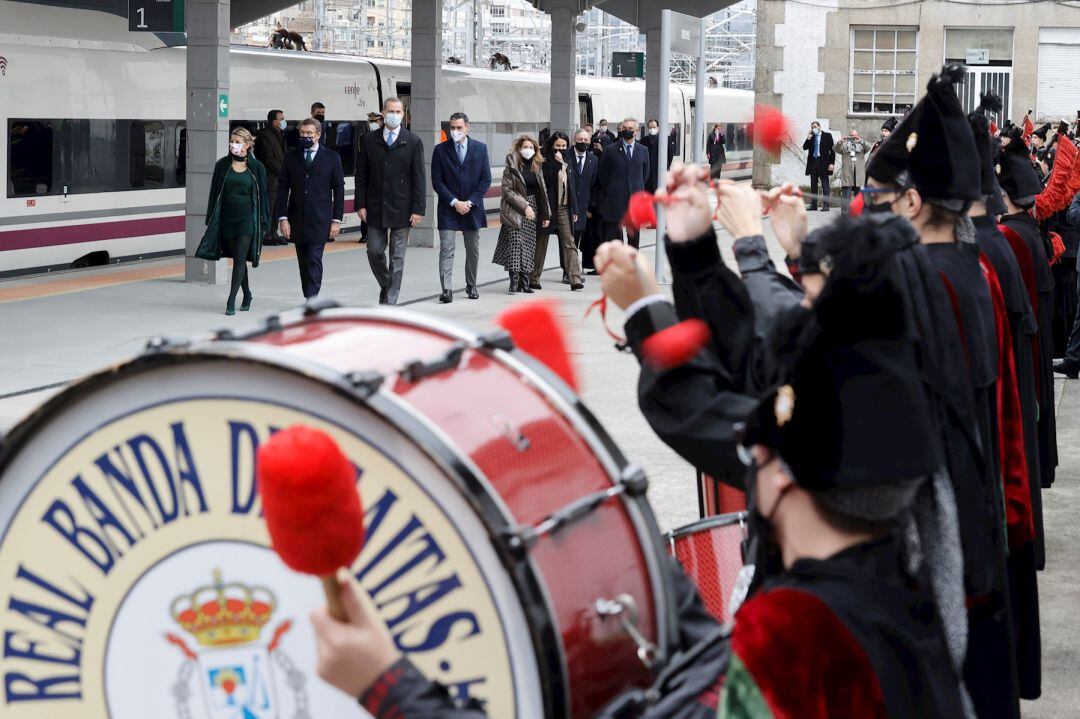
550 170
584 186
653 143
390 180
469 181
828 155
618 178
270 150
311 197
715 150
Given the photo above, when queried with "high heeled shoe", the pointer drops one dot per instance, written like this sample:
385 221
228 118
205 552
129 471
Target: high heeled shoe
230 310
514 282
246 304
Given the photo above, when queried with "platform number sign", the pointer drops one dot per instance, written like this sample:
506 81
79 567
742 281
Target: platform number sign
628 64
156 15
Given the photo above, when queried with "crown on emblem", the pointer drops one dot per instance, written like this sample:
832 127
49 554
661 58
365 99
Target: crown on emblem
224 614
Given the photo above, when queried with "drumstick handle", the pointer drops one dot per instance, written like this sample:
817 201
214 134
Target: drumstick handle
332 590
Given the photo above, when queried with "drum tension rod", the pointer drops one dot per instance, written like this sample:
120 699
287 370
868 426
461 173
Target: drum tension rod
417 370
164 344
624 609
519 541
365 383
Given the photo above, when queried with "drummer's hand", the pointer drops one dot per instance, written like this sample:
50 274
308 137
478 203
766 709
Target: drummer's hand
739 210
689 215
785 206
353 654
624 275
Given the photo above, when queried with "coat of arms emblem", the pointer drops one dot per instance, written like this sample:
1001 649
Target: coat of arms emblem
236 671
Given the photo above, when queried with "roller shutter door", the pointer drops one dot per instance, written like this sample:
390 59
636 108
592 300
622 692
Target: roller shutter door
1059 73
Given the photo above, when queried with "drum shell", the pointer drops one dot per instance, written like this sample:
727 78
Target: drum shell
538 450
710 551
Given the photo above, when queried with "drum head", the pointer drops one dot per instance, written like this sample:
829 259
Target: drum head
135 569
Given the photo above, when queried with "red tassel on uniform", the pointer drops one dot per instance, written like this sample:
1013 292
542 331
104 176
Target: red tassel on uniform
537 330
641 212
770 128
310 500
857 205
676 345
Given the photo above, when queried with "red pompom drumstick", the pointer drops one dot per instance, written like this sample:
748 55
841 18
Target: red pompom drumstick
311 505
676 345
857 205
537 330
770 129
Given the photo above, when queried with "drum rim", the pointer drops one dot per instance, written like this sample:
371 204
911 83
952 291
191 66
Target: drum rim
570 405
537 608
705 523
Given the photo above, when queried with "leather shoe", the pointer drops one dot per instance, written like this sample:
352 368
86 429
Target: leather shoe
576 286
446 297
534 285
566 279
811 208
1067 368
472 293
383 295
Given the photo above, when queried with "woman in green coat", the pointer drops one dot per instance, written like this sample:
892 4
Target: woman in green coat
238 214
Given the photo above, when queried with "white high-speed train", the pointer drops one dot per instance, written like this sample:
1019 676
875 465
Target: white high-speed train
93 161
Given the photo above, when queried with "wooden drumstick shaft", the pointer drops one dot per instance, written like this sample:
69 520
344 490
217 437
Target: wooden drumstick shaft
332 590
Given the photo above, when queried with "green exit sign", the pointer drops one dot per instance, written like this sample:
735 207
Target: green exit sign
156 15
222 105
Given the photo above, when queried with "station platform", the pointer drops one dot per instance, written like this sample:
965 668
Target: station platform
59 327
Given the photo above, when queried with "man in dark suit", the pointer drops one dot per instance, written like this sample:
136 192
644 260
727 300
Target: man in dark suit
820 161
310 202
624 167
716 150
584 166
270 151
390 196
460 176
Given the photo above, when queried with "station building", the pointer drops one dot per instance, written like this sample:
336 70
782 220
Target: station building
853 64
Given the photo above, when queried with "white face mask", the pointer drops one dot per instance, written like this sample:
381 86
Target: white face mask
603 128
457 135
236 148
527 153
374 126
282 124
654 130
393 119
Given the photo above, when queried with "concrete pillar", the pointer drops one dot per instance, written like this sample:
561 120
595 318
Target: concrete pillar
650 25
426 113
564 100
207 132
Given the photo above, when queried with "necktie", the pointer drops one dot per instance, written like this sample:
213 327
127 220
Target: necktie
308 154
629 152
390 139
460 152
581 165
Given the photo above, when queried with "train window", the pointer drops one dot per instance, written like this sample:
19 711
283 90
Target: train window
146 158
30 157
181 154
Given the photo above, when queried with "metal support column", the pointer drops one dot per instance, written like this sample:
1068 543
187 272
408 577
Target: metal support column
663 71
651 29
207 126
699 100
427 28
564 103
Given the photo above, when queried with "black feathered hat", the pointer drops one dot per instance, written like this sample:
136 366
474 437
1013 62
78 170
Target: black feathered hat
980 128
854 413
1042 131
1015 173
890 124
934 146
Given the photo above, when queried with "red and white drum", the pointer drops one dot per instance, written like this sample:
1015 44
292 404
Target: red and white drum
509 549
711 553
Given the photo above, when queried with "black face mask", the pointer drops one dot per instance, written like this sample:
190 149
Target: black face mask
627 134
238 158
320 117
876 207
581 146
761 556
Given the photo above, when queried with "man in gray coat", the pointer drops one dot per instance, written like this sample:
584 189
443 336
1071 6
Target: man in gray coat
853 151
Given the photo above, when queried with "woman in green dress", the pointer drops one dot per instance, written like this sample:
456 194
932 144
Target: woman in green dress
238 214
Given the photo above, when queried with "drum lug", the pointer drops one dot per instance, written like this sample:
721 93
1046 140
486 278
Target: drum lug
495 340
635 481
512 433
272 323
518 542
365 383
164 344
418 369
223 335
315 305
624 609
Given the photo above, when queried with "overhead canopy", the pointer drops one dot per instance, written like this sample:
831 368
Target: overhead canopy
639 13
241 11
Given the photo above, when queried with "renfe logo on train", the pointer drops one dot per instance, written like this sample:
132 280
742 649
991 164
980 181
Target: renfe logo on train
136 578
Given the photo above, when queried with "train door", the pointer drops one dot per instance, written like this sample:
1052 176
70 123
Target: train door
404 93
585 109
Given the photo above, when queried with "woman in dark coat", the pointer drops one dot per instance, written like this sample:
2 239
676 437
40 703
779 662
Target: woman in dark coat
562 205
523 208
237 215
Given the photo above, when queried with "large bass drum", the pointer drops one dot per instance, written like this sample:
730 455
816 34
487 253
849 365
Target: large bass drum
510 548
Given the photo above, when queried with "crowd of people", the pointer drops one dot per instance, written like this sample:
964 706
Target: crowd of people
576 188
886 405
